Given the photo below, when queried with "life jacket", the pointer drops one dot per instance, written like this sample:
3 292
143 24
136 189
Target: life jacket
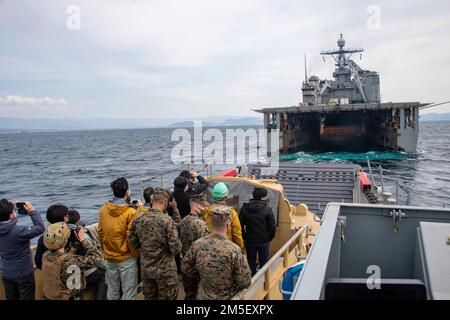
52 285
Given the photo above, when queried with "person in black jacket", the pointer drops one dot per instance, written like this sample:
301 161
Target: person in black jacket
196 183
181 195
258 228
184 187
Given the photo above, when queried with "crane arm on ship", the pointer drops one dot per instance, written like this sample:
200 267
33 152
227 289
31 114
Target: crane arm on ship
356 71
432 105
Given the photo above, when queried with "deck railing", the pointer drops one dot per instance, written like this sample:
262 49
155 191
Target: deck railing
265 283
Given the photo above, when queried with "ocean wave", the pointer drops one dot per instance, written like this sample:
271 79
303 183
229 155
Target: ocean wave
345 156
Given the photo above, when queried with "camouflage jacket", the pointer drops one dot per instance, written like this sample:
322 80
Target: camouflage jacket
175 213
176 216
91 259
191 228
220 265
155 233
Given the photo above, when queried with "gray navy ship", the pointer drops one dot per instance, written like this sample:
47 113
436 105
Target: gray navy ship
346 113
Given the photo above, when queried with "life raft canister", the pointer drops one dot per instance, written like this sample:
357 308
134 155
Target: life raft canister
229 173
364 181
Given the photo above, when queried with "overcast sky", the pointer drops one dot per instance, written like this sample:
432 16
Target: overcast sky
172 59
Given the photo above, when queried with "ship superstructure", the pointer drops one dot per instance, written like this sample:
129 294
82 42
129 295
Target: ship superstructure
345 113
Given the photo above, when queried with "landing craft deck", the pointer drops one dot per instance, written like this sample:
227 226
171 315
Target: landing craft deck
314 184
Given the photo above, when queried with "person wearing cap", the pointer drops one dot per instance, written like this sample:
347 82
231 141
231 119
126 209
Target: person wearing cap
63 272
16 265
114 223
219 265
220 194
171 210
155 233
192 228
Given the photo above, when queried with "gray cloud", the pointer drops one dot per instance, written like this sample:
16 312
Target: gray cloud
12 100
205 57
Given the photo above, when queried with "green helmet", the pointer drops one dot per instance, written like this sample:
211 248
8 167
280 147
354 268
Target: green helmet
220 191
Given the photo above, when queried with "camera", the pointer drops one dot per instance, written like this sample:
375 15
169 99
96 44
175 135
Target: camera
21 208
74 229
134 203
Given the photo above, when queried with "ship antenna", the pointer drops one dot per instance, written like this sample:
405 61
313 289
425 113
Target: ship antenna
306 71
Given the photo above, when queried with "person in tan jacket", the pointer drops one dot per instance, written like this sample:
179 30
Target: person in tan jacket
234 233
114 224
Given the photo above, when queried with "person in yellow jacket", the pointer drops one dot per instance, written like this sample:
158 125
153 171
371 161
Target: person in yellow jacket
114 223
220 194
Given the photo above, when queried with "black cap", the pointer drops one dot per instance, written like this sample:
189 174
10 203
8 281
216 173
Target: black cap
180 182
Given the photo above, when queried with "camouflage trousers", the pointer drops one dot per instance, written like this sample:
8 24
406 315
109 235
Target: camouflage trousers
190 286
163 286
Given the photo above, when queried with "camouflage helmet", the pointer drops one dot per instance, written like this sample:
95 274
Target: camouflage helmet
56 236
200 199
221 216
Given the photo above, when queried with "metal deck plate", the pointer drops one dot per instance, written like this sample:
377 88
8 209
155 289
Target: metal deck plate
314 184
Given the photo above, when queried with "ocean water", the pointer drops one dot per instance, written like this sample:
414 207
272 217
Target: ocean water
76 168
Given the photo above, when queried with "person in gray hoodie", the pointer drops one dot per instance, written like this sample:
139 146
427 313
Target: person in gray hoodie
16 265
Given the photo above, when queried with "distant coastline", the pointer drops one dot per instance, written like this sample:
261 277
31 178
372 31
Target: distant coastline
18 125
24 124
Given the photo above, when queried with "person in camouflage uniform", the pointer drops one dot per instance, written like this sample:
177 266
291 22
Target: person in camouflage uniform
59 269
218 263
172 208
192 228
155 233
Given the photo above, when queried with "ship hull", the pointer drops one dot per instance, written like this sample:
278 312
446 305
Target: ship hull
353 127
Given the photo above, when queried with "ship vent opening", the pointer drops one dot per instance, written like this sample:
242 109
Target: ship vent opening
343 131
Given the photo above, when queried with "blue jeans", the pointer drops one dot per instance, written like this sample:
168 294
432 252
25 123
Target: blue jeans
122 275
253 250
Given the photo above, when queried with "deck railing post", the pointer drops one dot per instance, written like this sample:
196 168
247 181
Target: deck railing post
382 179
300 243
286 258
397 187
267 285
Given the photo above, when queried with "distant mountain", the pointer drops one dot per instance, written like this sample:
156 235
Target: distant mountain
248 121
19 124
189 124
435 117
